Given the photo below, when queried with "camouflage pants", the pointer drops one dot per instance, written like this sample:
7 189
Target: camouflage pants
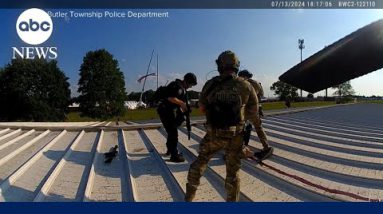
260 132
210 145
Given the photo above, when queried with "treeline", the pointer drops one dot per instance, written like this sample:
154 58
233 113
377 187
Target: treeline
284 91
37 90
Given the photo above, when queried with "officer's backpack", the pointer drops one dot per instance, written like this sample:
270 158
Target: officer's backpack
160 94
225 105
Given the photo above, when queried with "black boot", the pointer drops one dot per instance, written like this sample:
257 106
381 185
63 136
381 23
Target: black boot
167 153
178 158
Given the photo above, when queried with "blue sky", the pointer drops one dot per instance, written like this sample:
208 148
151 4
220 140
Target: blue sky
265 40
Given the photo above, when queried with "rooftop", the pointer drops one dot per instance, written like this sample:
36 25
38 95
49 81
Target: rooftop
327 154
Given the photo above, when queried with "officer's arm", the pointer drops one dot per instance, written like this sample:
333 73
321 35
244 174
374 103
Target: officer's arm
174 90
178 102
251 108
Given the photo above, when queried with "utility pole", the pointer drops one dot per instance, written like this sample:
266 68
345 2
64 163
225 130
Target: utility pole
301 47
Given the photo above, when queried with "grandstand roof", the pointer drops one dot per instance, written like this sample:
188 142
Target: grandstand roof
355 55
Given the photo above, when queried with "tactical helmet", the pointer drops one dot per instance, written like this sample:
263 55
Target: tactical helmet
245 73
227 60
191 79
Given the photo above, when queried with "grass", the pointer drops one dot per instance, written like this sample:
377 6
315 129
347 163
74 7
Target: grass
374 101
150 113
75 117
281 105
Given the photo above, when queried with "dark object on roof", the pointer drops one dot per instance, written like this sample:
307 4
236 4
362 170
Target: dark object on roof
355 55
109 156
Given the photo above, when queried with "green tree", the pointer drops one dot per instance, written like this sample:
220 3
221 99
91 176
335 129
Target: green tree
148 96
284 90
101 86
33 90
344 89
134 96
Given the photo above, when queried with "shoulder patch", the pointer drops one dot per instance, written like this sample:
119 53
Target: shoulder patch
180 91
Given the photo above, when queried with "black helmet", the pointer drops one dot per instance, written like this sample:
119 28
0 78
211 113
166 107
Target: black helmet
191 79
227 59
245 73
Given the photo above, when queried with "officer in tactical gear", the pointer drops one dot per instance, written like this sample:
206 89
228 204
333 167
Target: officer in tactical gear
226 100
171 108
287 102
267 150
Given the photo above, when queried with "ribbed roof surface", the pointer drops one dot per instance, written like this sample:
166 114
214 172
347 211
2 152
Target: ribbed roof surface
329 154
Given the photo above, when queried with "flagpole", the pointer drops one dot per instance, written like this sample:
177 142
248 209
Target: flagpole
157 70
147 72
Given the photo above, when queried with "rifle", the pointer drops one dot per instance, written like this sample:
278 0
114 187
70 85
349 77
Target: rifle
187 115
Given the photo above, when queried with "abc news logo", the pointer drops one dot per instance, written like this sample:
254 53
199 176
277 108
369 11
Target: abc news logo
34 27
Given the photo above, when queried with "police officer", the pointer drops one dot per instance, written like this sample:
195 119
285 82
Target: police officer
226 100
170 110
267 150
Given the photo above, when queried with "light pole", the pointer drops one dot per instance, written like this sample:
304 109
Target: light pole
301 47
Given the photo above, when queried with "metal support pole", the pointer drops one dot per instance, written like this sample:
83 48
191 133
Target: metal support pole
301 47
157 70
